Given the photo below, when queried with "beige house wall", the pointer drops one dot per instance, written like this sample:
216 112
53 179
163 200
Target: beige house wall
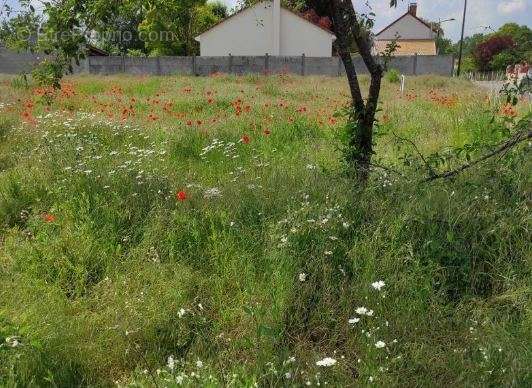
408 47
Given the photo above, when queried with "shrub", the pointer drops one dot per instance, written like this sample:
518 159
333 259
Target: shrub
393 76
485 51
136 53
503 59
48 73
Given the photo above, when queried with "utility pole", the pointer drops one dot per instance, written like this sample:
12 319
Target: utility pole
462 40
438 37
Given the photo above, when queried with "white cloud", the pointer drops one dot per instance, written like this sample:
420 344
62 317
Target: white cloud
512 6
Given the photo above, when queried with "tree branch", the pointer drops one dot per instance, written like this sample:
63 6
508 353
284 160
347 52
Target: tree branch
422 157
341 30
505 147
364 44
386 168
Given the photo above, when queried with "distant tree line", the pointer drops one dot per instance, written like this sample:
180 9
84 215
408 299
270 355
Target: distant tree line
493 51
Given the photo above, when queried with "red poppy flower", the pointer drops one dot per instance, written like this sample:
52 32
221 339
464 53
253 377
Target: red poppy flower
181 196
508 111
246 139
48 218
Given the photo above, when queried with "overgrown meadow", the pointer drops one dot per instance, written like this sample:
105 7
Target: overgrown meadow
165 231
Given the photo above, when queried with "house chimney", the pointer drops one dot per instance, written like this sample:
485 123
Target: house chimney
412 9
276 50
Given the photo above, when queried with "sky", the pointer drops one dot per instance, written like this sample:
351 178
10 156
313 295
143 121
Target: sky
481 13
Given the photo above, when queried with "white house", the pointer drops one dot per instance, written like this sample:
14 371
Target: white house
412 34
266 28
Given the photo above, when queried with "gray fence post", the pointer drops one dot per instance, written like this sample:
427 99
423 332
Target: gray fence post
159 72
123 63
230 64
452 66
339 66
303 64
267 63
414 70
193 65
88 64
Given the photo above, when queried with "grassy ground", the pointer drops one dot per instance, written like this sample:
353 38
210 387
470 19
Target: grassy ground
201 231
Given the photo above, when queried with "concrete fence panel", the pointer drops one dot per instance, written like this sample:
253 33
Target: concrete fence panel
141 66
16 63
285 65
176 65
105 65
404 65
435 64
248 65
211 65
360 66
321 66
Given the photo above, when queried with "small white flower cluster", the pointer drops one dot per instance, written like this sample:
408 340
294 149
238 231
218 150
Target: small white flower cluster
228 149
172 376
373 333
86 143
385 179
364 311
327 361
378 285
237 173
316 218
259 163
212 193
12 342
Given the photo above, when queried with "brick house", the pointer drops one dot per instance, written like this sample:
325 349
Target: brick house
414 36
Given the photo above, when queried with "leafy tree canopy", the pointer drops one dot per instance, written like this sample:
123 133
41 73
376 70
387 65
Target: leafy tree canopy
510 44
153 27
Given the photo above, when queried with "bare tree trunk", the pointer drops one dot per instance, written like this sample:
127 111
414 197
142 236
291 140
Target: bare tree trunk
345 23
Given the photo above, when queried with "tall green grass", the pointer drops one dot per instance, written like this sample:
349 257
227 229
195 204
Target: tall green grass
260 272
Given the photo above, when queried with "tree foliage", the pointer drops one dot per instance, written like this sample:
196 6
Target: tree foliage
153 27
170 27
444 46
487 50
495 51
20 33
